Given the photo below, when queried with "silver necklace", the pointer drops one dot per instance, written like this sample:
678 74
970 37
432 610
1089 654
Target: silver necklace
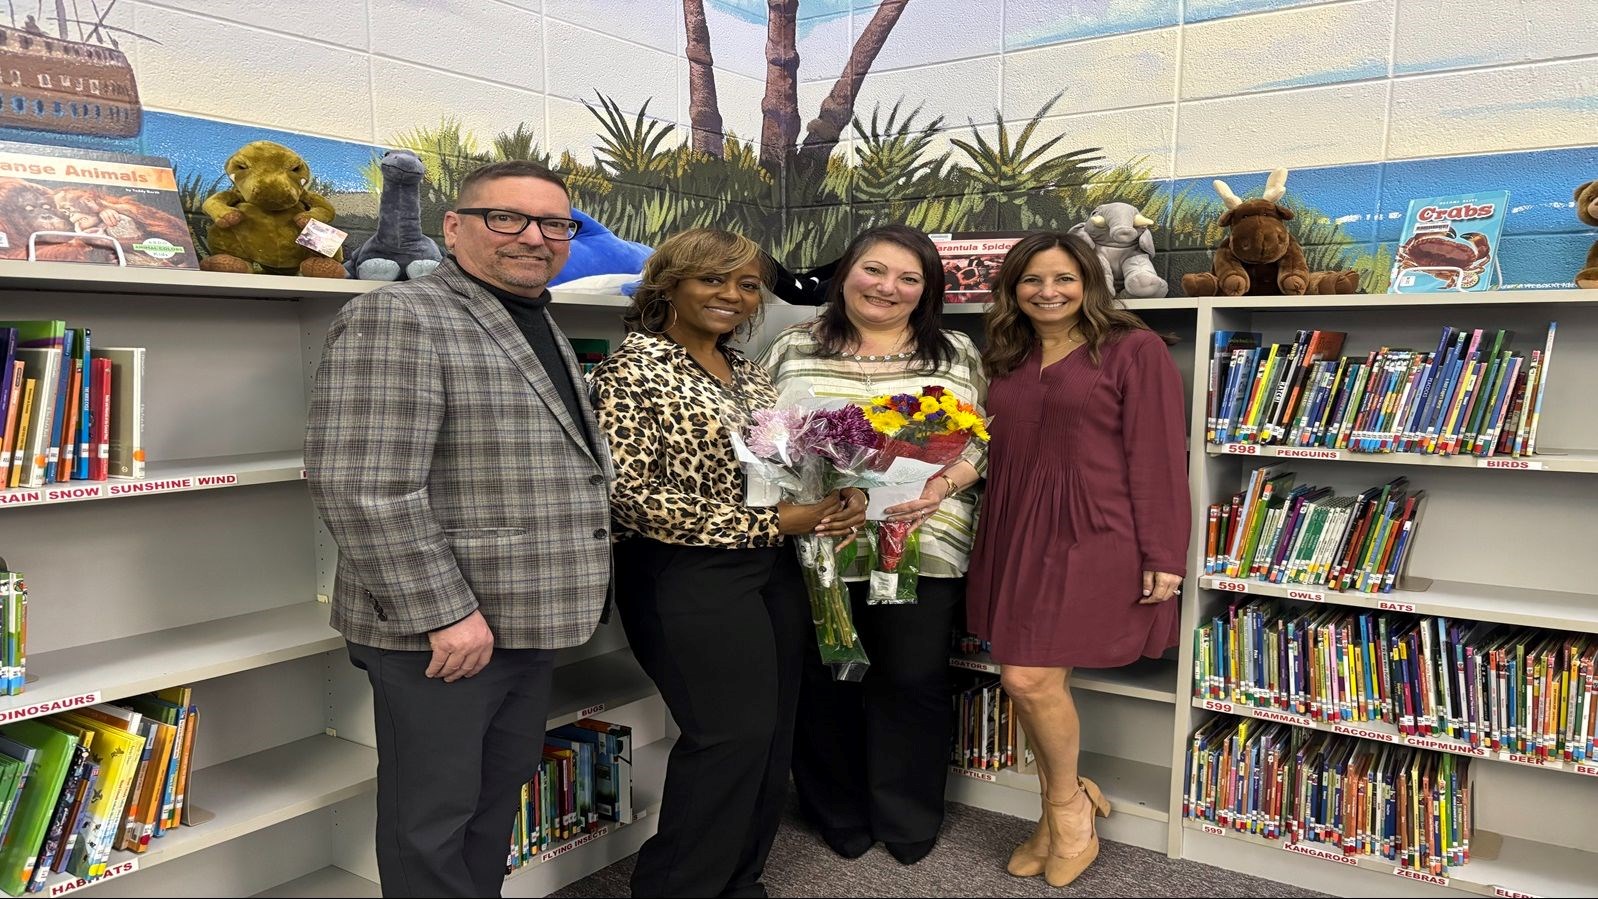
868 377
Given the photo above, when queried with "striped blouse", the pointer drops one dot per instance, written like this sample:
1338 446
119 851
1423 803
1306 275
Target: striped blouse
946 537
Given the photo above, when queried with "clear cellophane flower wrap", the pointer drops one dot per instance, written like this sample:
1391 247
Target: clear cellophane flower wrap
807 448
934 427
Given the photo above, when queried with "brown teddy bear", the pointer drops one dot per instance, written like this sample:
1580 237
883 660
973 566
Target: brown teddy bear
1260 257
1587 211
253 225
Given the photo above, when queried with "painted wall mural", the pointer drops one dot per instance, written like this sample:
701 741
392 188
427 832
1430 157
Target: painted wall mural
800 122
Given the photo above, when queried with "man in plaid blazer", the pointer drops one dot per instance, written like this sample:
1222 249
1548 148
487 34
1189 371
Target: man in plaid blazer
453 455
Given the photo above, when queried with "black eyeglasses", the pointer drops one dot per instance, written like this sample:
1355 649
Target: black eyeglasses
504 221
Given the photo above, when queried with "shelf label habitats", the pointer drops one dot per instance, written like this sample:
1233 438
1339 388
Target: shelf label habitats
116 870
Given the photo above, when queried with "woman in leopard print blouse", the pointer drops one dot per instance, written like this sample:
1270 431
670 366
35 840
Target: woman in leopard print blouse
713 606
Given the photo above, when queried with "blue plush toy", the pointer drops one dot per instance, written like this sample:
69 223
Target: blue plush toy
600 261
398 251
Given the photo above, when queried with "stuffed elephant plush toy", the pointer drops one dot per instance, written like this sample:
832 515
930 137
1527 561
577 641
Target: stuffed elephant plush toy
1120 234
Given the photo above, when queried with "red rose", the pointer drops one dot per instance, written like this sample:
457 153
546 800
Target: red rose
935 391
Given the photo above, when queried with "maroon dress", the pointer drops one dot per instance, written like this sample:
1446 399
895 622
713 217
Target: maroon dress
1087 488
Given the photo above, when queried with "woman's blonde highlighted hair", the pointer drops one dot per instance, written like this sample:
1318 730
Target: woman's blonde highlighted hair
683 256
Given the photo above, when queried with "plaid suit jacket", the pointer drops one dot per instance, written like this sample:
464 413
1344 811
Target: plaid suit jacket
452 476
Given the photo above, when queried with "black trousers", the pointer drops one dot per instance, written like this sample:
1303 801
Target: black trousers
451 760
874 755
720 632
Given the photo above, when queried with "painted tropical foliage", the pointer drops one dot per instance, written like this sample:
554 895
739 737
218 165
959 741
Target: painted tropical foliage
802 198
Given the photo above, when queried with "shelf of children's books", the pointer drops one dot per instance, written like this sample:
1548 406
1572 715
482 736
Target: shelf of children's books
1133 788
587 688
63 679
1556 609
1499 865
1134 305
248 794
649 775
649 780
167 477
1560 460
1383 732
69 277
1391 300
1152 679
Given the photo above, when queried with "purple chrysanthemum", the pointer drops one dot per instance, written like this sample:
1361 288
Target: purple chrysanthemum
840 434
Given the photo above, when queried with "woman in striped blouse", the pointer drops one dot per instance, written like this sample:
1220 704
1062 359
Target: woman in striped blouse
870 758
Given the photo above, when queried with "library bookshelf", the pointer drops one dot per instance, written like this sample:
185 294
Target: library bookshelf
1503 540
214 571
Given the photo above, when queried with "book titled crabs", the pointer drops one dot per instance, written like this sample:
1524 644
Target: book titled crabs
1450 243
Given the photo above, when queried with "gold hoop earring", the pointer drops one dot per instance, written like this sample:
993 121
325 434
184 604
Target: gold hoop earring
670 322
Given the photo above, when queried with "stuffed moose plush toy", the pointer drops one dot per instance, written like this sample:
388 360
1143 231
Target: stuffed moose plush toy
1260 256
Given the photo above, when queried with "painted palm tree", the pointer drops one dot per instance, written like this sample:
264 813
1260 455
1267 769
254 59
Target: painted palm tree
704 115
780 117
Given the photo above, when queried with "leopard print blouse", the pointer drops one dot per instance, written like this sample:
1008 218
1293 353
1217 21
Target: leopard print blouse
677 480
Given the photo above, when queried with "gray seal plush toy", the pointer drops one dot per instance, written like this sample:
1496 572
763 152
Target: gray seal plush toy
1120 234
399 251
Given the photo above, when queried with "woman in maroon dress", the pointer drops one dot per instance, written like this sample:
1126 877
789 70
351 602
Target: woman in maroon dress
1083 535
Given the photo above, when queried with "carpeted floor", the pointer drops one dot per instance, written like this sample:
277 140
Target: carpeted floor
968 861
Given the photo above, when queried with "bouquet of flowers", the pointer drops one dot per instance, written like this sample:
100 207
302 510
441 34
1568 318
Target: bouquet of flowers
803 449
933 427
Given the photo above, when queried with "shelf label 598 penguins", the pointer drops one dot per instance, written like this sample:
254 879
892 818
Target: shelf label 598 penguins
1242 449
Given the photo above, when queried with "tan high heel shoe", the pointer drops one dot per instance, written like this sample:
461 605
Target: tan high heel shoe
1031 857
1060 870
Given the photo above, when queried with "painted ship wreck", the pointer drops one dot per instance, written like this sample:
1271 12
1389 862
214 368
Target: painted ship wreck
56 83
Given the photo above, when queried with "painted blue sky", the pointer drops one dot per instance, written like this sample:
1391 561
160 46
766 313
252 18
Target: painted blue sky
1544 243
